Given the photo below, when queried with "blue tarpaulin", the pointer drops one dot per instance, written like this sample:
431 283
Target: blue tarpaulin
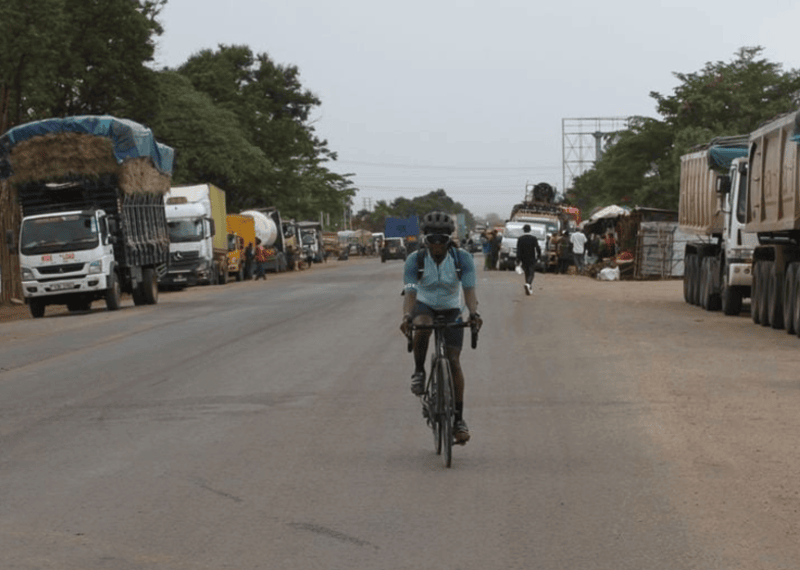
131 140
720 158
401 227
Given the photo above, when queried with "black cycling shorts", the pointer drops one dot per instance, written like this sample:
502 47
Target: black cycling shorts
452 337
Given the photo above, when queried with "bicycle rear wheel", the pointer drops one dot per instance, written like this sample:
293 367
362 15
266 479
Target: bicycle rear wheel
446 412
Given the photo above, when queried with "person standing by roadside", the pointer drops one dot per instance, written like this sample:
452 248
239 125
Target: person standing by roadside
261 261
486 242
497 240
578 241
528 251
249 257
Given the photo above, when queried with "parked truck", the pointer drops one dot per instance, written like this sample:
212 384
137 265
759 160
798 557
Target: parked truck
280 237
713 206
773 215
546 220
93 226
241 233
406 228
196 216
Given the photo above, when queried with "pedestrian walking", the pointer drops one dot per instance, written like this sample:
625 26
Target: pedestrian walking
578 241
528 251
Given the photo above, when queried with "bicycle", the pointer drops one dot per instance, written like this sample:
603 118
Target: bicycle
438 400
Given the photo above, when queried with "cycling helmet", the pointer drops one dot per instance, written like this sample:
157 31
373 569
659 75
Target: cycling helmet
437 223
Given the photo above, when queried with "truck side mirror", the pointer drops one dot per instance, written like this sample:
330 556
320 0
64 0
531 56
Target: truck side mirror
10 241
212 228
723 184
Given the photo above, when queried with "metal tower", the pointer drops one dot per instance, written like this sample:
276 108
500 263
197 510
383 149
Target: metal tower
582 143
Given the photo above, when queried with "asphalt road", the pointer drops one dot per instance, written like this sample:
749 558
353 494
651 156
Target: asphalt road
270 425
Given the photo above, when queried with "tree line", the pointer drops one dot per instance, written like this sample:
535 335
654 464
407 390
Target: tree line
374 220
236 119
641 165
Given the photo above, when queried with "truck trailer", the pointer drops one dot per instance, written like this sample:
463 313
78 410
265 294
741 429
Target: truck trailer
93 225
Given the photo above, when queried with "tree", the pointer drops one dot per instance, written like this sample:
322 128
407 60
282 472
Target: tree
71 57
273 111
209 144
643 166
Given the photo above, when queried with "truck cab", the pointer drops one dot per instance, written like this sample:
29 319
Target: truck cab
65 258
737 244
512 232
191 230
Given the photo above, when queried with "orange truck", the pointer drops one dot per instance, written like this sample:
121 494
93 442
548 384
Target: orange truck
241 233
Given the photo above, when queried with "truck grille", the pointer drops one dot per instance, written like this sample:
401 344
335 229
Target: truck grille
183 259
59 269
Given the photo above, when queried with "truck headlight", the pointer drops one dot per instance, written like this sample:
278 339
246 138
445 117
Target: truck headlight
27 274
96 267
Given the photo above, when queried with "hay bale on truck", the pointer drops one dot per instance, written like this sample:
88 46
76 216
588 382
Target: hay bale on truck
93 225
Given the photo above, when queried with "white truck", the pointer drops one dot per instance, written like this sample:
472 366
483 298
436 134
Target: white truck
511 233
93 224
713 206
196 216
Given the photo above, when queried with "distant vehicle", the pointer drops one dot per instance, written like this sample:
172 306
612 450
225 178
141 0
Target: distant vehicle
393 248
512 232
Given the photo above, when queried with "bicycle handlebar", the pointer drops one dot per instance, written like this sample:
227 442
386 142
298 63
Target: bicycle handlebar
462 325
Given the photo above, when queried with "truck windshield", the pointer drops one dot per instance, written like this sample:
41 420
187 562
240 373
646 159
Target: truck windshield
55 234
185 230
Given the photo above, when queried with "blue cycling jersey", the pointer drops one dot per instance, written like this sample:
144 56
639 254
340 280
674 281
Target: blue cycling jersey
440 287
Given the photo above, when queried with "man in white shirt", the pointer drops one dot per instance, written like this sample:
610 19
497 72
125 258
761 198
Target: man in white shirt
578 241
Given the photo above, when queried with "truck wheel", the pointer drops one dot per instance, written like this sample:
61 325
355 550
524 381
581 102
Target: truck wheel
763 294
138 295
687 278
775 297
37 308
755 312
788 297
113 293
731 299
703 278
796 305
694 293
149 286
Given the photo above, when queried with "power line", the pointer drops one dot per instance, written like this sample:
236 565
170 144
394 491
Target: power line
435 167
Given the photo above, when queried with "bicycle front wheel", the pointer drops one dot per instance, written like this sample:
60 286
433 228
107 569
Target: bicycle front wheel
446 412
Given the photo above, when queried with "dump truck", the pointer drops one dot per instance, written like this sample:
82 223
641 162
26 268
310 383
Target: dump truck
93 223
241 233
196 216
712 207
773 215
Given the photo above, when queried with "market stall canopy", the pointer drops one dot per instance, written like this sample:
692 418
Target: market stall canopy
608 212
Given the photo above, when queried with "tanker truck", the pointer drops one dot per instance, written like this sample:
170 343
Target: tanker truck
712 204
93 223
280 238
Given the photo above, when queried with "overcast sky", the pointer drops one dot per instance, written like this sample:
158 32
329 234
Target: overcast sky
471 96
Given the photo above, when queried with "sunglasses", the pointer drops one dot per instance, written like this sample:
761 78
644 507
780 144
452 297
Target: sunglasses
437 239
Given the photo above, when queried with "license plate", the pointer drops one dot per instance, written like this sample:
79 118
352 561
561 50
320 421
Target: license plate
62 286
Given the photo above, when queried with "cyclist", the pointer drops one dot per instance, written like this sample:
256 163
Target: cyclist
434 284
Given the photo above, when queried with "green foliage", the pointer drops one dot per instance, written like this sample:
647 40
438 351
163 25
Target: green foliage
642 167
273 112
72 57
210 146
404 208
